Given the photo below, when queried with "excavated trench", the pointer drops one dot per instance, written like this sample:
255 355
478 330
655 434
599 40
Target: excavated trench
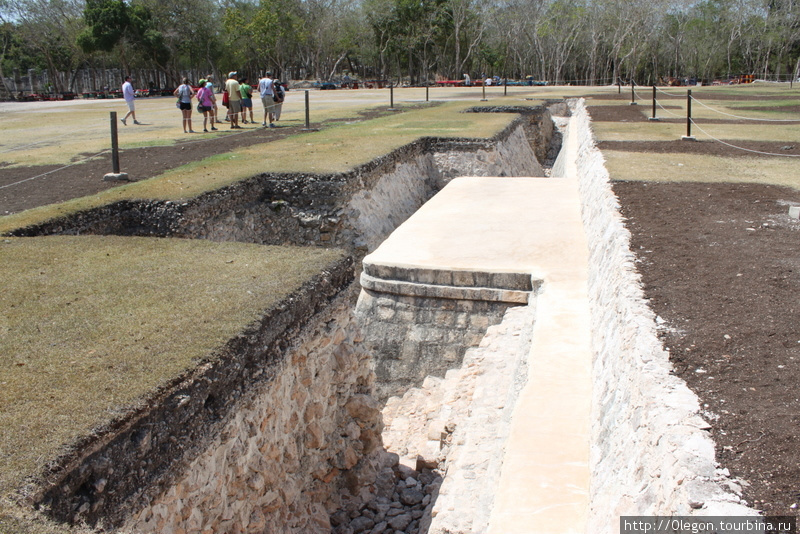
284 433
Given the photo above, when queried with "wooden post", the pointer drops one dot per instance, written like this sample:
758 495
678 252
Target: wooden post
654 118
116 174
114 143
688 136
308 124
505 87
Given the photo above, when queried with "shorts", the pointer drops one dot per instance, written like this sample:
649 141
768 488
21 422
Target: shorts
235 106
247 102
131 105
267 101
203 109
186 105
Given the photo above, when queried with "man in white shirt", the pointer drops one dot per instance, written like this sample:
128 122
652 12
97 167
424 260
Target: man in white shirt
130 96
267 98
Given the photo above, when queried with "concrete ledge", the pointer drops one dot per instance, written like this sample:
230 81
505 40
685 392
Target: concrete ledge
451 277
398 287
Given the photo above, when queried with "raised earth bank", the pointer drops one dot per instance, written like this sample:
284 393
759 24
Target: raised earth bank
282 434
353 210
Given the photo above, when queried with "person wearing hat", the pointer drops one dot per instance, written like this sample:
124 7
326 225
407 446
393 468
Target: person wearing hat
205 104
234 98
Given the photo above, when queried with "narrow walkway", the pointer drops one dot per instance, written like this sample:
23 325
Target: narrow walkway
530 226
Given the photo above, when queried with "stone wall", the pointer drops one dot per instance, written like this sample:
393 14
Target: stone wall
119 468
296 445
459 423
416 337
651 454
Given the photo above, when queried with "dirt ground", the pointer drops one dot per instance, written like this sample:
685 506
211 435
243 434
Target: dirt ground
721 269
720 266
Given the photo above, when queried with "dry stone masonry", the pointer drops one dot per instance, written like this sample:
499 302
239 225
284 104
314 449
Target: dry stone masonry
298 447
651 454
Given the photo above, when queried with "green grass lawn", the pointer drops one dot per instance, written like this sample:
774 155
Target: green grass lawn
92 325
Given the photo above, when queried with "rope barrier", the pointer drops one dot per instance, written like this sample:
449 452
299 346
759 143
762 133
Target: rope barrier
740 117
679 95
55 170
742 148
668 112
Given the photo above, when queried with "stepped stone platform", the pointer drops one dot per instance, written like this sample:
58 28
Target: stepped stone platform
512 242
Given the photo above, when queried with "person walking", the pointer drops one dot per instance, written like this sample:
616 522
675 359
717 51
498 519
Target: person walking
265 89
205 104
185 94
247 100
130 97
234 98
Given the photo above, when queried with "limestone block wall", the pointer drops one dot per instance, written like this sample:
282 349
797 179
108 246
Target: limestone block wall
415 337
461 422
650 453
514 157
304 440
394 197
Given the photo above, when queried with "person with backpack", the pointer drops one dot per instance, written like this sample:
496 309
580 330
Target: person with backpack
279 94
265 89
247 101
234 98
185 94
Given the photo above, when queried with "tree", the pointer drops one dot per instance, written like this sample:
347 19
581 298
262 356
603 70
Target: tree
113 25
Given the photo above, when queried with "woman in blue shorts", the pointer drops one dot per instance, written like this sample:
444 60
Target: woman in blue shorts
247 99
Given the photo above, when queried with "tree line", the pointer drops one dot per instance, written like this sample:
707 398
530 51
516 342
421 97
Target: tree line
412 41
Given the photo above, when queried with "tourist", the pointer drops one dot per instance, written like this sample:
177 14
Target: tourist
215 109
247 100
265 89
185 94
278 96
130 96
205 104
234 98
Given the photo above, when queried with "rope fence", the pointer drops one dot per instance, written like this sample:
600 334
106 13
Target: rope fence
743 148
691 122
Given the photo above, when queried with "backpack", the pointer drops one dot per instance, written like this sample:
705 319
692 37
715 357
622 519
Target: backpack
278 93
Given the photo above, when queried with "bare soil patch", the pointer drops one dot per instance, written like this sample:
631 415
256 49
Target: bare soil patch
706 147
719 264
720 267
